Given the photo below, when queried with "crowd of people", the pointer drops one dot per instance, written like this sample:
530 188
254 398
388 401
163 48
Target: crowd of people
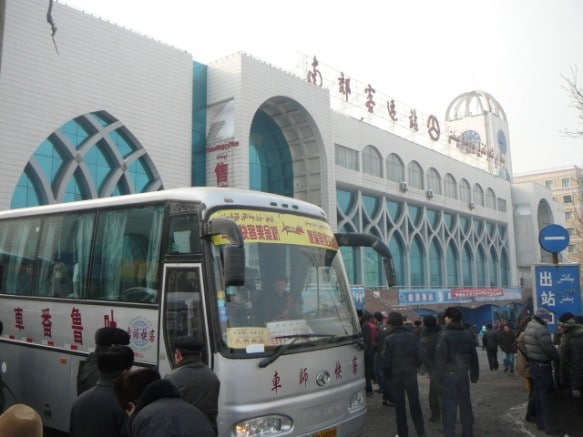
395 353
118 400
444 349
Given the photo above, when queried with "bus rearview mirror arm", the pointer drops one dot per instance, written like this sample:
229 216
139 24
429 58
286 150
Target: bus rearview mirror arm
375 243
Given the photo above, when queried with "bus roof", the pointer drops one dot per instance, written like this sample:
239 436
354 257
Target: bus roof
210 196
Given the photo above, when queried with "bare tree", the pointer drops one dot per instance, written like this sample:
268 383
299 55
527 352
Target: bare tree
576 99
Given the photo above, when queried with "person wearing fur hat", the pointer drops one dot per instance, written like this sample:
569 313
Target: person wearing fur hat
20 420
95 412
155 407
104 337
541 354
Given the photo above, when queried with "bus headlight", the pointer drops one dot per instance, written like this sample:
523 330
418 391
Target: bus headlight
262 426
357 401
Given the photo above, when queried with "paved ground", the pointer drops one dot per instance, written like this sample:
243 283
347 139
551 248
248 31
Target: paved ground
498 400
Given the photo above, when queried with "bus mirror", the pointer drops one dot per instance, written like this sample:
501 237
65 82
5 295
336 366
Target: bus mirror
375 243
228 228
233 253
234 265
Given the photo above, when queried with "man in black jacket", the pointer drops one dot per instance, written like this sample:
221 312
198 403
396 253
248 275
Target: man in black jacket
455 357
491 341
429 338
402 358
96 413
197 383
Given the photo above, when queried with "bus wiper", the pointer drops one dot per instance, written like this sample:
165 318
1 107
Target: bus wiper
281 349
355 338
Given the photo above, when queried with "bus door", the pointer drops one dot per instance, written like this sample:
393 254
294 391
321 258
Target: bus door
183 310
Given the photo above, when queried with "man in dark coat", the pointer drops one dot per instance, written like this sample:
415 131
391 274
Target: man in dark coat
402 358
96 413
198 385
88 371
491 341
383 331
455 357
156 408
429 338
570 404
507 341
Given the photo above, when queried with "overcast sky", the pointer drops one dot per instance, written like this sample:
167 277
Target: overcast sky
421 52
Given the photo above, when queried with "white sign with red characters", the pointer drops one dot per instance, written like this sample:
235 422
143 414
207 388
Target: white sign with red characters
72 326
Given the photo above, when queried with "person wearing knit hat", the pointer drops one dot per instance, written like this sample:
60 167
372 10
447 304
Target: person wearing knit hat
544 314
20 420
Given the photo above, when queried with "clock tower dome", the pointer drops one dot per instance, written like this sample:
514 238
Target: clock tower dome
481 131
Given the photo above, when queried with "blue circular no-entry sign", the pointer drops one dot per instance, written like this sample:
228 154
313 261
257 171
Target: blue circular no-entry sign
553 238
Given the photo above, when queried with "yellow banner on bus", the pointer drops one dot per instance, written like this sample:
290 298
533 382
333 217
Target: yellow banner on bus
274 227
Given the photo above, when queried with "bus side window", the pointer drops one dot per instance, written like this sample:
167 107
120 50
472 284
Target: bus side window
61 283
127 254
18 240
63 255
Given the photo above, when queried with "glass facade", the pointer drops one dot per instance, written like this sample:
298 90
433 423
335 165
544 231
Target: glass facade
93 155
430 247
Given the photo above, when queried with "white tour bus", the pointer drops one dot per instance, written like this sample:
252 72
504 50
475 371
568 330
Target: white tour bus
192 261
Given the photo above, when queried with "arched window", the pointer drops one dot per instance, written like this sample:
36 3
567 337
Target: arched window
372 162
435 261
505 269
467 266
349 257
465 192
395 168
417 259
397 249
373 271
490 199
415 173
493 268
452 266
112 163
478 194
481 268
433 181
450 186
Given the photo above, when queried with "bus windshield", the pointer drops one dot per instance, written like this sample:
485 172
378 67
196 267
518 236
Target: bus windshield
295 286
